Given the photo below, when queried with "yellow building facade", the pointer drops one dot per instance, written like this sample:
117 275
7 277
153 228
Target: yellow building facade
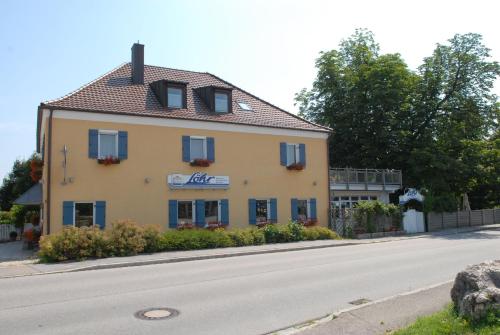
111 152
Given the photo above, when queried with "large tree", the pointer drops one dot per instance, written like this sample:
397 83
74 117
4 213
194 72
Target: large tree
436 124
18 181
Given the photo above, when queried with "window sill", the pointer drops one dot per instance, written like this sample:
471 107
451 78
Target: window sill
108 161
295 167
264 223
200 162
182 226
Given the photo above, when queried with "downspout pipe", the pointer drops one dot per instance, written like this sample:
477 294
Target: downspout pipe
49 169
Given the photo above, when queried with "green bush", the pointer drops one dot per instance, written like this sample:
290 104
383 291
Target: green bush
367 212
190 239
73 244
6 218
125 238
152 238
319 233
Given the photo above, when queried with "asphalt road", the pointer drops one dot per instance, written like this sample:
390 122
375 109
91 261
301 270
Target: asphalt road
240 295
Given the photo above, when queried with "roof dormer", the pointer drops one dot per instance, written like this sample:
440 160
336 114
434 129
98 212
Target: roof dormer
171 94
218 99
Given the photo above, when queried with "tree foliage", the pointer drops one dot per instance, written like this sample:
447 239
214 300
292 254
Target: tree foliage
18 181
439 124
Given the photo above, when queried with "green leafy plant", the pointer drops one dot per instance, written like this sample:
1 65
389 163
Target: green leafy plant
125 238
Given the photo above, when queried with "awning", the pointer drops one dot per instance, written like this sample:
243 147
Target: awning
33 196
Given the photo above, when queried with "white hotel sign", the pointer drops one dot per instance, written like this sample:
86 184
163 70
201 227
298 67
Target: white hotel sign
197 180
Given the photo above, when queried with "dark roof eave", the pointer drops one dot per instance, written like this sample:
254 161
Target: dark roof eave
323 130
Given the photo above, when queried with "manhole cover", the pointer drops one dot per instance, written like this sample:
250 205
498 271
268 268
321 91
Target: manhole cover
360 301
158 313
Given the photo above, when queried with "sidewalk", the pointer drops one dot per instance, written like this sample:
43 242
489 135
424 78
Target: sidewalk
379 317
31 267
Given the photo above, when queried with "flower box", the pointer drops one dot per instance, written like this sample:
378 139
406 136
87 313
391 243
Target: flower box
185 225
108 160
214 225
309 222
295 166
200 162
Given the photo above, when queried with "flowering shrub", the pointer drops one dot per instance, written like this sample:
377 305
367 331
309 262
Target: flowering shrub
127 238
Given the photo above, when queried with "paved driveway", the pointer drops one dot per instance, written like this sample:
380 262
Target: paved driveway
13 251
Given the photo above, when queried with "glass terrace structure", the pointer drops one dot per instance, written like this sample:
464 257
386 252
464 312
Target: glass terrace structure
349 186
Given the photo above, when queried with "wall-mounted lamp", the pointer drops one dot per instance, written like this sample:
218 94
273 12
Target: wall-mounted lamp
147 180
245 182
315 183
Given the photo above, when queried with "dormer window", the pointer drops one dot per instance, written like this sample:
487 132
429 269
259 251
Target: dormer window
221 102
171 94
218 99
175 97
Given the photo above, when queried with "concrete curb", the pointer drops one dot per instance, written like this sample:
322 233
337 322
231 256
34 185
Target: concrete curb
312 323
114 265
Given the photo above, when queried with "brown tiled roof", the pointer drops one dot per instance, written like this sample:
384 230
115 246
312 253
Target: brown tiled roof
115 93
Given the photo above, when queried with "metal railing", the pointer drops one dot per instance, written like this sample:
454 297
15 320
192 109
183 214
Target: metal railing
350 176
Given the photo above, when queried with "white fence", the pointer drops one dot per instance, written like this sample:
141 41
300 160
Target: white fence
5 230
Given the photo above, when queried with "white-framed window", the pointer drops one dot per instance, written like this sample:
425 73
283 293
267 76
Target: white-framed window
262 210
245 106
186 212
108 144
212 212
303 210
84 214
351 201
221 102
292 154
175 97
198 147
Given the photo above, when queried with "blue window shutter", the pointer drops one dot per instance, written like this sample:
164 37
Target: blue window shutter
211 149
302 153
186 144
283 153
172 213
100 214
252 209
122 145
224 211
274 210
295 209
200 212
68 212
312 208
93 143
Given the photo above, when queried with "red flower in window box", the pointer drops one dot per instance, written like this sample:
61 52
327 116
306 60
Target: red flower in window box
295 166
214 225
200 162
108 160
185 225
309 222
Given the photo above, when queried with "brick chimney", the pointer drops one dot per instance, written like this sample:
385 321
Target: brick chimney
138 63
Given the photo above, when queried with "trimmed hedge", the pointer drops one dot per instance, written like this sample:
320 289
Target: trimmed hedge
126 238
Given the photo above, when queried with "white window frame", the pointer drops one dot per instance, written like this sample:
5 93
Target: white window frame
193 210
297 154
308 207
268 207
218 211
205 152
106 132
83 202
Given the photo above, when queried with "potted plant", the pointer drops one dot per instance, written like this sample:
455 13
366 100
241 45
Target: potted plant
201 162
108 160
295 166
309 222
13 235
214 225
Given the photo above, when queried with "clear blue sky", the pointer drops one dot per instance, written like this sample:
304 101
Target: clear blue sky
49 48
